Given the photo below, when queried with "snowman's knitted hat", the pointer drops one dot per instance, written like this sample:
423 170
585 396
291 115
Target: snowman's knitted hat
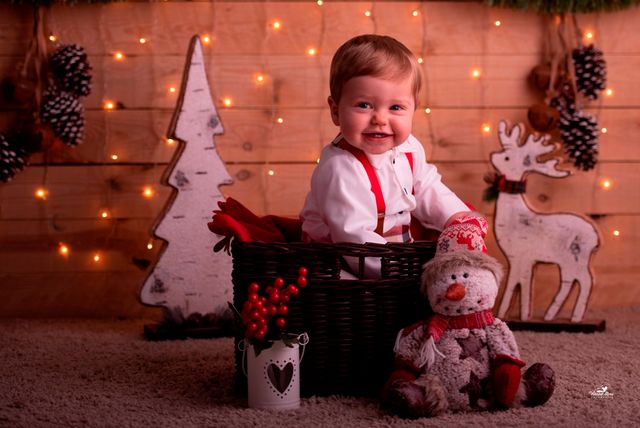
463 234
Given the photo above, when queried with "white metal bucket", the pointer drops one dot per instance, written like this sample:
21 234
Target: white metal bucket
274 375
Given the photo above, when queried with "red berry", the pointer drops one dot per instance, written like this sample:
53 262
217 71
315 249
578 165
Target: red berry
253 297
269 290
258 304
281 322
263 299
261 322
263 311
260 335
293 290
253 288
285 299
278 283
272 310
252 327
255 315
275 297
247 306
302 281
302 271
283 309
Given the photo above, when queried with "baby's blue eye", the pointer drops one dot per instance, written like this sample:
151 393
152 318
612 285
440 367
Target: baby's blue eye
396 107
364 105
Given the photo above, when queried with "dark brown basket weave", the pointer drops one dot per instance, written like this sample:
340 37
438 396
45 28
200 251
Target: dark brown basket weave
352 324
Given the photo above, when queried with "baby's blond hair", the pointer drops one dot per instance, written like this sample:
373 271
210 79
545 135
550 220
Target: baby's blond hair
373 55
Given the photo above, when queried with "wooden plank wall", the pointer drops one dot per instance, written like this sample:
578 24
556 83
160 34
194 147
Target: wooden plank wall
453 37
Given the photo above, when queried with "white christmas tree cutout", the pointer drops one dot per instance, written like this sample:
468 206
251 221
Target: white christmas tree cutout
188 277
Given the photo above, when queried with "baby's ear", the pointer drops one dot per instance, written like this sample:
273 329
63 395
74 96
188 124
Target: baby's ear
333 107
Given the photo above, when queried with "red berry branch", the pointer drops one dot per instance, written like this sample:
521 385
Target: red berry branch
258 311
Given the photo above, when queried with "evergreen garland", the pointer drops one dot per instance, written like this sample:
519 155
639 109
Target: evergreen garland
564 6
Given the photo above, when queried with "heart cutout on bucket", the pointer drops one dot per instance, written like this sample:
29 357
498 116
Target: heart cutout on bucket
280 378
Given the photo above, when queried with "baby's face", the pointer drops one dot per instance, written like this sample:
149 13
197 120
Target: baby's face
374 114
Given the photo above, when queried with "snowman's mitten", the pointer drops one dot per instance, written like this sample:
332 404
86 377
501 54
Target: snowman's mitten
506 378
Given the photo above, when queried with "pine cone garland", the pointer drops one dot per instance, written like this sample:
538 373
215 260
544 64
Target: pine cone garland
590 69
71 69
12 158
64 113
580 137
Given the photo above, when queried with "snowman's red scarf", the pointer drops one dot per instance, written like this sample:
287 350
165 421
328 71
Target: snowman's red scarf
438 324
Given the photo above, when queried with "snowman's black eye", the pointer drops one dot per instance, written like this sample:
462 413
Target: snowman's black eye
466 275
453 277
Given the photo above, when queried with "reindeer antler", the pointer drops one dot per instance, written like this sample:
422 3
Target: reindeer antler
509 139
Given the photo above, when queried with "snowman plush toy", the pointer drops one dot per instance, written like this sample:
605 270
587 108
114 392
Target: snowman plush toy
462 358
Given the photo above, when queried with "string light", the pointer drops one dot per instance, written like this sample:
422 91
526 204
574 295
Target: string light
427 110
476 73
41 193
104 214
228 102
118 56
280 120
616 233
609 92
367 13
486 128
108 105
172 89
260 78
319 2
114 157
497 23
142 40
311 51
589 35
605 184
415 13
148 192
206 39
53 38
96 257
150 245
604 130
420 60
277 25
271 172
63 249
170 141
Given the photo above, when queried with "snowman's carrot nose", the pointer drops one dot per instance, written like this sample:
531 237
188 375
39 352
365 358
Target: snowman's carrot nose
455 291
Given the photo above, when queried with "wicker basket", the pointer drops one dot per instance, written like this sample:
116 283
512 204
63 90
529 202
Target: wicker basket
352 324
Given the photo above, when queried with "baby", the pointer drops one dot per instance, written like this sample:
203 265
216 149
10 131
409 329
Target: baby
373 178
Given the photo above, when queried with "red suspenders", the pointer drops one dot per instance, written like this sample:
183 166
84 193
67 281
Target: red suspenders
373 179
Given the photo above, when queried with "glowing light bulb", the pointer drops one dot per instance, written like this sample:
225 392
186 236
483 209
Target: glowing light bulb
609 92
497 23
427 110
311 51
280 120
227 102
319 2
486 128
616 232
172 89
41 193
108 105
367 13
271 172
604 130
277 25
415 13
606 184
63 249
206 39
104 214
53 38
147 192
149 245
420 60
318 160
114 157
96 257
118 56
589 35
142 40
476 73
260 78
170 141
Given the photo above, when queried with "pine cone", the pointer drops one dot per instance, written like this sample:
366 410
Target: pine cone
71 69
12 158
591 71
64 113
580 137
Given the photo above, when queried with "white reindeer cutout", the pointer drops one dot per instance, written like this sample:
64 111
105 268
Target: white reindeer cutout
527 237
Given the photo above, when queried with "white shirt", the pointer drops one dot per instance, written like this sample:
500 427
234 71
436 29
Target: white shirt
341 206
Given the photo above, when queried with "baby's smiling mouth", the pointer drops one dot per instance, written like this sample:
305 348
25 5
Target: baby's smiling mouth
376 134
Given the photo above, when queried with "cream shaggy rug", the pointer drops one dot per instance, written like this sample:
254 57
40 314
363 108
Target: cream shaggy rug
96 373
